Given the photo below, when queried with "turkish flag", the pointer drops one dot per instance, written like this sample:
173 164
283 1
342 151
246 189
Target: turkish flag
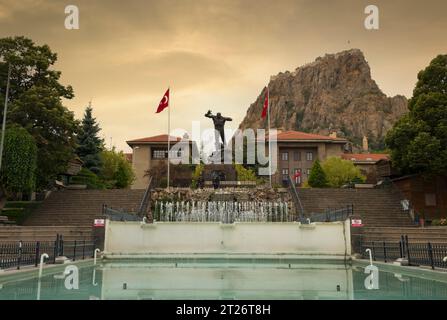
164 103
266 104
297 174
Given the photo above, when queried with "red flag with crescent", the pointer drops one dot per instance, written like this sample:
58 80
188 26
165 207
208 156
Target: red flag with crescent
297 174
164 103
266 104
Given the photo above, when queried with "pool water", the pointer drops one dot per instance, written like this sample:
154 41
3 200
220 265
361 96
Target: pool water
241 280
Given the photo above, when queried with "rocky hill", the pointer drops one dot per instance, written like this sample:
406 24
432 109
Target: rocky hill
333 93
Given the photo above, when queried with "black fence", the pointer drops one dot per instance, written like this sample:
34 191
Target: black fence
332 215
20 253
119 215
418 253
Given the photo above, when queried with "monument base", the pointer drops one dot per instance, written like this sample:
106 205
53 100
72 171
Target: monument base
227 171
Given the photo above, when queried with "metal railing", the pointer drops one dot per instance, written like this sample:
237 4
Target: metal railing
145 202
417 254
18 254
296 199
331 215
410 211
119 215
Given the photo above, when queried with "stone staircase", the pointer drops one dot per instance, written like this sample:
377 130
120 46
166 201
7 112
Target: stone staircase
380 211
81 207
43 234
393 234
376 207
71 214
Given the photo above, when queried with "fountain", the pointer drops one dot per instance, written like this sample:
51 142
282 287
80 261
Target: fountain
221 211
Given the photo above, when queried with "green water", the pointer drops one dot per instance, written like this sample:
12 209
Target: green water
253 280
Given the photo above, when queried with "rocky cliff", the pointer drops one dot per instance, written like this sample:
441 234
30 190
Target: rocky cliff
333 93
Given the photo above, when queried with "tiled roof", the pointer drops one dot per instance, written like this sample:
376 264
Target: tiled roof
298 135
373 157
154 139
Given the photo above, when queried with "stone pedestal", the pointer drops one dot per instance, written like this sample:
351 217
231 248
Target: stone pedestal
227 171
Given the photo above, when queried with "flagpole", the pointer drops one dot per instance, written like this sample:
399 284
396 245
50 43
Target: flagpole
169 136
5 110
270 149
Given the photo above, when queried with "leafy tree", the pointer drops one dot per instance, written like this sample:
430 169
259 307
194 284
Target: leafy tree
196 175
88 178
116 171
36 104
31 67
90 145
418 141
18 172
124 175
244 174
317 177
339 172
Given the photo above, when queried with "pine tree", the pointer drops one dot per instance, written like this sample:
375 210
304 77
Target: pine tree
90 145
317 177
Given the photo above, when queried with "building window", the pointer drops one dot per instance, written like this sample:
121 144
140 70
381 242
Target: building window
297 179
285 156
175 154
285 173
308 172
309 156
159 154
297 156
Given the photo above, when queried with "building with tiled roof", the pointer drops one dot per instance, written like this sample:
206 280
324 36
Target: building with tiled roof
152 153
297 151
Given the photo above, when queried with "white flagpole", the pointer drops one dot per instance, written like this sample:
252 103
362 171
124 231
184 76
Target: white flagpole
5 110
270 150
169 136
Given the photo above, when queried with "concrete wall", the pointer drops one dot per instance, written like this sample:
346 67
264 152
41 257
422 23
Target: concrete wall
319 239
141 162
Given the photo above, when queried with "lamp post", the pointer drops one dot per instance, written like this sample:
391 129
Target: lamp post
4 114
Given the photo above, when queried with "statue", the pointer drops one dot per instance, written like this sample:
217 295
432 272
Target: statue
219 124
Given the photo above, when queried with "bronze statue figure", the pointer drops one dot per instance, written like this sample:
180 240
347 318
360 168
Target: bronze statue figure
219 124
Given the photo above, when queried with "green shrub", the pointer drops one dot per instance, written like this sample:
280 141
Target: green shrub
89 179
317 177
439 222
339 172
18 211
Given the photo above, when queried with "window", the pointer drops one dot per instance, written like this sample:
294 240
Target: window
285 173
175 154
285 156
297 179
309 156
297 156
159 154
308 171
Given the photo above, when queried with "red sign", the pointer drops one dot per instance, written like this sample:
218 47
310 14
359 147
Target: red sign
99 223
356 223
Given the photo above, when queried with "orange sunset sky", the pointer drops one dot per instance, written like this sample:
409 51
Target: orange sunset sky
214 55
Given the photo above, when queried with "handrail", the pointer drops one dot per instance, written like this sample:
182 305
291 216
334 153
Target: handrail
146 199
411 211
334 215
296 198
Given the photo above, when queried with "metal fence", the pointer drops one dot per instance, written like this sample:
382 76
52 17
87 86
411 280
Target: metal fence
332 215
418 254
26 253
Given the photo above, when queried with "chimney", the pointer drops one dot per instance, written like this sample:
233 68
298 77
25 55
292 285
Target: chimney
365 144
333 134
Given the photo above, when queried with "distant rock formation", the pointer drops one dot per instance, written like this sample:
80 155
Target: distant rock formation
335 93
